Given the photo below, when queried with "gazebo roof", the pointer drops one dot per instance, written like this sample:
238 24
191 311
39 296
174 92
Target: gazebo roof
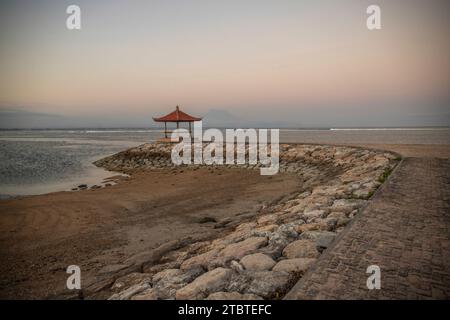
177 116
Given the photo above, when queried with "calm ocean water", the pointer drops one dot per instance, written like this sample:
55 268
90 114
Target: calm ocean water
42 161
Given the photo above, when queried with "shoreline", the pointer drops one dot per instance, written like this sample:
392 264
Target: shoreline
441 151
434 143
134 259
103 227
102 280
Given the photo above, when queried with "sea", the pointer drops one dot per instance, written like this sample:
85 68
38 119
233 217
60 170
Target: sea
42 161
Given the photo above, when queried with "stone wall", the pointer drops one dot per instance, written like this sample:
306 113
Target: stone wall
262 258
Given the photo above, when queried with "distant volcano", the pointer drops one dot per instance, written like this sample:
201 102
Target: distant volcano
222 119
217 118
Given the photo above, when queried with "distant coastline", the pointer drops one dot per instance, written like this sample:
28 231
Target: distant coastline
37 161
158 129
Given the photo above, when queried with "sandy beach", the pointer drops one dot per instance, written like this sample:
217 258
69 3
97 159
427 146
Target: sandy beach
99 229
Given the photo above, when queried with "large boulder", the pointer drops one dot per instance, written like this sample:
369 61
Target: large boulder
200 260
307 227
269 284
346 205
257 262
277 242
313 214
212 281
236 251
268 219
167 282
294 265
301 249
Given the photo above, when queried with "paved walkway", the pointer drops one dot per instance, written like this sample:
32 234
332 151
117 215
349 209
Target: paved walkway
405 230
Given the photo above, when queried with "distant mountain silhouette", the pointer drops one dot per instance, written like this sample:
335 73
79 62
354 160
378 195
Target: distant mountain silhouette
215 118
16 119
218 118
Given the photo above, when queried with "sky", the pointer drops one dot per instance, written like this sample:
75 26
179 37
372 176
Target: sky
299 63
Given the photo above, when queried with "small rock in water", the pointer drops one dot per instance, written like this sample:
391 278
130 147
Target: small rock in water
82 186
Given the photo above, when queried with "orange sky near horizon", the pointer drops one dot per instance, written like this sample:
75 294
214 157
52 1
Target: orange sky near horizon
139 56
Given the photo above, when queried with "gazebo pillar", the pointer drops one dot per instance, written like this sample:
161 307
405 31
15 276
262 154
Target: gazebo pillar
165 129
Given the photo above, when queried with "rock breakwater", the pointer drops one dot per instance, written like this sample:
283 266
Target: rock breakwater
264 257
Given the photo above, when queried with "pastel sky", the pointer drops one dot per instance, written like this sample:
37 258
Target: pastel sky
310 63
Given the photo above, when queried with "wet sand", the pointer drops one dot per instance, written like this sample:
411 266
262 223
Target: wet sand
96 229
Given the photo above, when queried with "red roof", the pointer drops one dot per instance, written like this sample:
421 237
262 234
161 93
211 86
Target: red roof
177 116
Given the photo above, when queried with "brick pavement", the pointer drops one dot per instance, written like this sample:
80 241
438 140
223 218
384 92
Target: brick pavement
405 230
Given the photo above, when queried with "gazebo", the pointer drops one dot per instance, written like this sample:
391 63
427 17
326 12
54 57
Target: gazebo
176 116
